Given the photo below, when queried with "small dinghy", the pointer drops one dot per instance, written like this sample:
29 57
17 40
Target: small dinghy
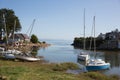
83 56
26 57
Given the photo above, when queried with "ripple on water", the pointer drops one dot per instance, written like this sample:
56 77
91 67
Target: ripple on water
113 71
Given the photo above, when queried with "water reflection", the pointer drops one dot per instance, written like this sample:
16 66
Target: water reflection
64 52
35 51
113 71
67 53
81 62
113 57
57 54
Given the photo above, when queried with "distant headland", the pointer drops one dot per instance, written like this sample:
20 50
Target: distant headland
107 41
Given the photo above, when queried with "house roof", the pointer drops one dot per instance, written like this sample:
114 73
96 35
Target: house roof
21 36
25 36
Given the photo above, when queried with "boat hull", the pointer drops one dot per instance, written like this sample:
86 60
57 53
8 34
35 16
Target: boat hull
9 56
98 67
83 57
25 58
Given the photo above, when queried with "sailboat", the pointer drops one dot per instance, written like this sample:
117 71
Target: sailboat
83 56
26 57
7 54
96 64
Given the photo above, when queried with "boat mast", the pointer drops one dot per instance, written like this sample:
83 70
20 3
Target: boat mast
32 27
5 29
94 37
13 32
84 45
29 31
91 36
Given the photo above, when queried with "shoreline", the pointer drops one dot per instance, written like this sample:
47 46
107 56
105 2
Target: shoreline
26 46
38 70
29 46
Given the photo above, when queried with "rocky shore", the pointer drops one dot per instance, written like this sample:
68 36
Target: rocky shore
27 46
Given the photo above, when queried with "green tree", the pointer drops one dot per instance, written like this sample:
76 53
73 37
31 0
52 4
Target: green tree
34 39
10 18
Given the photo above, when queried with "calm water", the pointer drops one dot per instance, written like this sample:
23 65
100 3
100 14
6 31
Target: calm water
62 51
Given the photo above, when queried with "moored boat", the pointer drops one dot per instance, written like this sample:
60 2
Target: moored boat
25 57
97 64
83 56
8 55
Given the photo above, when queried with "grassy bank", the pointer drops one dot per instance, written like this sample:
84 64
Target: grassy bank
40 71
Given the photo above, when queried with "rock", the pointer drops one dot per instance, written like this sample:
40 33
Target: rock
3 77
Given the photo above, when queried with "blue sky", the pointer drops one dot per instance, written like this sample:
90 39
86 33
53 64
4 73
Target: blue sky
63 19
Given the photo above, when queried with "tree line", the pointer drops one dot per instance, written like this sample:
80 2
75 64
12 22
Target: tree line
89 42
7 22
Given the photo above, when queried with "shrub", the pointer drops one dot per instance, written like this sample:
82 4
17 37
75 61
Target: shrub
34 39
65 66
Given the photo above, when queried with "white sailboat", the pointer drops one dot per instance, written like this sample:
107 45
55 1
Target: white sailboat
96 64
84 56
26 57
13 54
6 53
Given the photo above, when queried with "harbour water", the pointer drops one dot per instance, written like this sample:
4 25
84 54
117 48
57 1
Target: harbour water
62 51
